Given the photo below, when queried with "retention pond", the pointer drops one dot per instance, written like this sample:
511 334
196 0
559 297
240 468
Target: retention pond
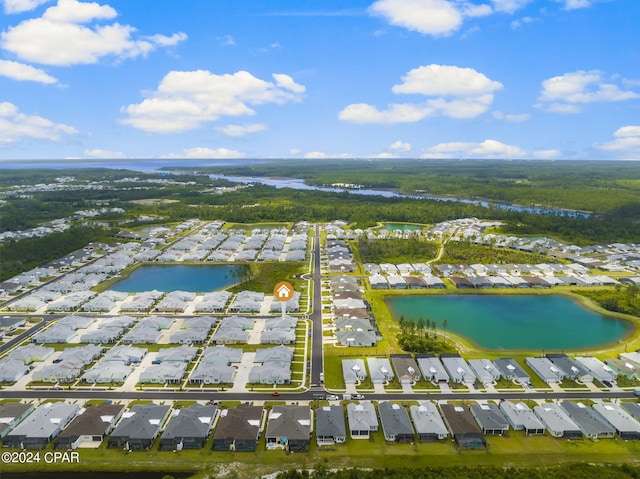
522 322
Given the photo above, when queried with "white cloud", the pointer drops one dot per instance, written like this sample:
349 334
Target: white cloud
21 72
429 17
460 92
295 151
625 145
206 153
241 130
509 6
524 20
485 149
565 92
383 155
318 155
471 10
446 80
16 126
59 36
105 154
19 6
400 146
575 4
226 41
185 100
511 117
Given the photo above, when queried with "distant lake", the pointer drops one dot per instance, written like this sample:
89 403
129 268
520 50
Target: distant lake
522 322
195 278
402 227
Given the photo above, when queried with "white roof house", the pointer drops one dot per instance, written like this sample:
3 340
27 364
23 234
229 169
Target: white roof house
625 425
107 372
269 373
544 368
597 368
522 418
11 370
170 372
362 419
353 371
30 353
432 369
380 370
484 370
557 421
458 369
428 422
212 373
181 354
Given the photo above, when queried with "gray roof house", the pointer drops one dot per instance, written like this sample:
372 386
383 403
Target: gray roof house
221 355
522 418
590 423
269 373
597 368
362 419
11 370
41 426
142 334
353 371
8 323
633 408
30 353
357 338
170 372
92 424
484 370
625 425
58 333
432 369
490 419
81 354
458 369
102 336
289 428
125 354
395 421
428 422
544 368
182 354
278 336
238 429
139 427
571 368
12 414
380 370
330 425
278 354
212 373
190 336
64 372
188 428
214 302
557 421
107 372
511 370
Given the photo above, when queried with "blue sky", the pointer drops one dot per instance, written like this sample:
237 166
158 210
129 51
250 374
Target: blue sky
553 79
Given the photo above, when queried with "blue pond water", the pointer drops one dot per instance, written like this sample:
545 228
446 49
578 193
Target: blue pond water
195 278
523 322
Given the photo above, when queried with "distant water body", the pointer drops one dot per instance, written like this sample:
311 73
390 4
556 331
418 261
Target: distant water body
152 165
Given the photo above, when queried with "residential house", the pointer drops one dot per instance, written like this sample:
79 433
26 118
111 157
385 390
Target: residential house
522 418
330 426
289 428
41 426
188 428
12 414
91 425
139 427
238 429
490 419
463 428
362 419
395 421
428 422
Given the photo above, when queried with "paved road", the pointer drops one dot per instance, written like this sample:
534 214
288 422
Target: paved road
317 358
304 396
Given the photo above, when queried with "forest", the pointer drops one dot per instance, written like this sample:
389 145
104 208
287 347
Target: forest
597 187
565 471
